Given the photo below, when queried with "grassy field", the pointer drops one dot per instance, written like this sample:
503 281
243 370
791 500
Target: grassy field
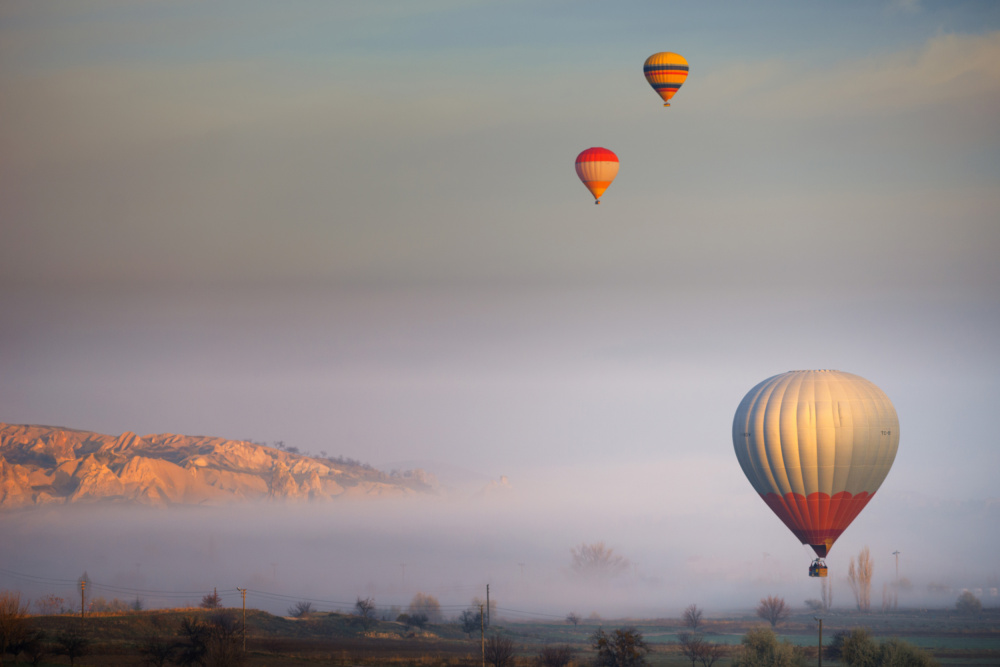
337 639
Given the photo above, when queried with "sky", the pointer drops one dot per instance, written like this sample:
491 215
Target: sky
355 227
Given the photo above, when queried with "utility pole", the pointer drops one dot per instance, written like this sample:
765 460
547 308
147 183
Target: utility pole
83 586
820 653
487 605
244 592
482 633
895 593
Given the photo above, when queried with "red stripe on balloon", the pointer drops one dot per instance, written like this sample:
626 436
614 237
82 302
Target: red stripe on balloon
817 519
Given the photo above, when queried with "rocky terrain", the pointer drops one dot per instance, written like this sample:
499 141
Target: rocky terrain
42 465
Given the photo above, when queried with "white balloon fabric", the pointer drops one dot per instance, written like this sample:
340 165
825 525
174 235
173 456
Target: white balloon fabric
816 445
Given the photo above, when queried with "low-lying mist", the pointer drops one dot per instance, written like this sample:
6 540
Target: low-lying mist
719 548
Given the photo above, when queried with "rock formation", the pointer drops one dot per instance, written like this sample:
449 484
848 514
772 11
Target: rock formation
42 465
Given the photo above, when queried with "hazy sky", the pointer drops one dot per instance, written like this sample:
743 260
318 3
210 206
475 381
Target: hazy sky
356 227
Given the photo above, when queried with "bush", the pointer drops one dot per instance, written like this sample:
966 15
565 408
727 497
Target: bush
967 603
761 648
860 650
555 656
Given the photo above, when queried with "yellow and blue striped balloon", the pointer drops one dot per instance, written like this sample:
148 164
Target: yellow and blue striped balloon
665 72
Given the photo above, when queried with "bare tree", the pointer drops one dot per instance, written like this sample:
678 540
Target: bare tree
301 610
826 588
711 653
859 576
598 561
13 620
364 609
555 656
499 651
691 646
72 645
216 643
692 617
625 647
773 610
157 652
50 604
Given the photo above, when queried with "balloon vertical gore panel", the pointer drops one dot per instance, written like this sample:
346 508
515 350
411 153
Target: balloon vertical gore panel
816 446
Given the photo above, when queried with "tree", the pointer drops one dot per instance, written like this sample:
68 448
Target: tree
301 610
598 561
711 653
555 656
692 617
760 648
212 600
471 621
29 642
773 610
13 620
225 646
47 605
691 646
72 645
216 643
860 578
573 618
34 647
426 605
967 603
194 642
157 652
417 620
499 651
365 611
625 647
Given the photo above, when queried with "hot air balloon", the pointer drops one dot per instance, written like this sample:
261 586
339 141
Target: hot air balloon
816 446
597 167
665 72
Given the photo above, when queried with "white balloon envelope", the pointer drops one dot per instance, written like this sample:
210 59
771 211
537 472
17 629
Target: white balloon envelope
816 446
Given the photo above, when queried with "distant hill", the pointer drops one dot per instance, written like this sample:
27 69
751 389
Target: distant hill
41 465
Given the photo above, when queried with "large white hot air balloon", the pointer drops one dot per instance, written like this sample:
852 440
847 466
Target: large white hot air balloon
816 445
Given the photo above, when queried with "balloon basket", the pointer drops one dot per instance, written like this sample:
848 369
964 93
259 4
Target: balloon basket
818 568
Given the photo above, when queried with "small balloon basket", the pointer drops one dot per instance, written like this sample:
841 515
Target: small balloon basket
818 568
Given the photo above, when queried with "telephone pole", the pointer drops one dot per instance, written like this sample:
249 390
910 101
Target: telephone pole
244 592
895 593
83 587
487 605
482 633
820 653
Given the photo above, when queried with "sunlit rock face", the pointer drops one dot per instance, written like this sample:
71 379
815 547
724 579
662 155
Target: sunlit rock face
42 465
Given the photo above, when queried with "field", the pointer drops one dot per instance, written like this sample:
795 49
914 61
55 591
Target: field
338 640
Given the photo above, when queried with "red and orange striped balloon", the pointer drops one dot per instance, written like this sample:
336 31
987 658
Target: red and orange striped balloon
665 72
597 167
